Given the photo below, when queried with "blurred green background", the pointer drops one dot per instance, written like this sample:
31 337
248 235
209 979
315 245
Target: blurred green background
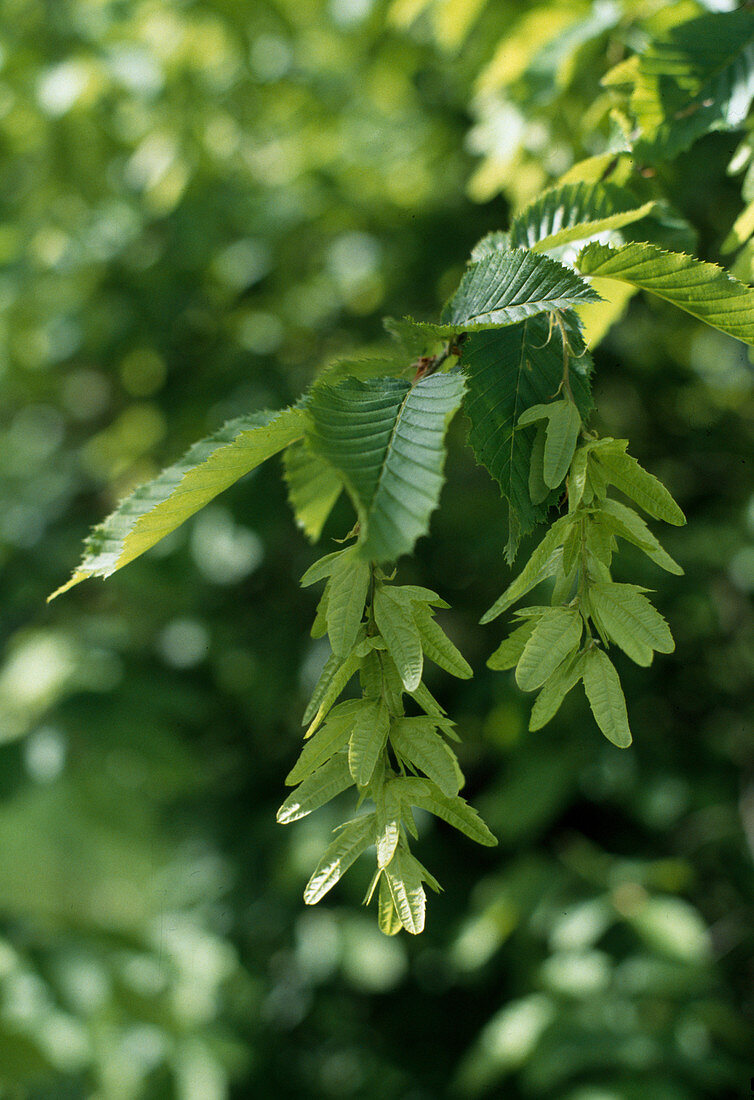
201 203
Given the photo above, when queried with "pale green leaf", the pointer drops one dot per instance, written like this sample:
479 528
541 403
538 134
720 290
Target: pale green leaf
313 487
508 372
369 737
387 915
386 440
425 795
426 700
538 490
329 739
347 593
404 880
353 839
419 744
414 593
606 698
321 568
577 477
509 651
563 427
396 625
701 289
330 686
554 690
325 783
625 523
625 473
388 822
438 646
557 633
543 563
157 508
631 621
575 212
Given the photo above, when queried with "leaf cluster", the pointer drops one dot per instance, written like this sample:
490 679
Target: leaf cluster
381 633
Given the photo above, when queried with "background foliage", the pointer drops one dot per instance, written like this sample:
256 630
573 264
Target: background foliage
201 204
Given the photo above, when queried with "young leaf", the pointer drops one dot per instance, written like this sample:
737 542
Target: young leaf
418 743
318 788
370 730
625 473
542 564
556 635
508 372
322 568
387 915
554 690
606 698
158 507
426 795
347 593
438 646
574 212
353 839
426 700
319 626
563 429
577 477
404 880
509 651
386 440
701 289
631 621
396 625
414 593
326 742
388 822
625 523
538 489
326 693
313 487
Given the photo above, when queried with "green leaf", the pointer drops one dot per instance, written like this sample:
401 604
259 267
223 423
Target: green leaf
319 626
625 523
698 78
631 621
318 788
158 507
347 593
574 212
369 737
438 646
538 490
426 795
556 634
625 473
554 690
563 427
414 593
701 289
542 564
504 288
510 649
313 487
577 477
353 839
396 625
404 880
606 698
426 700
508 372
418 743
386 439
322 568
388 822
328 740
335 675
387 915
